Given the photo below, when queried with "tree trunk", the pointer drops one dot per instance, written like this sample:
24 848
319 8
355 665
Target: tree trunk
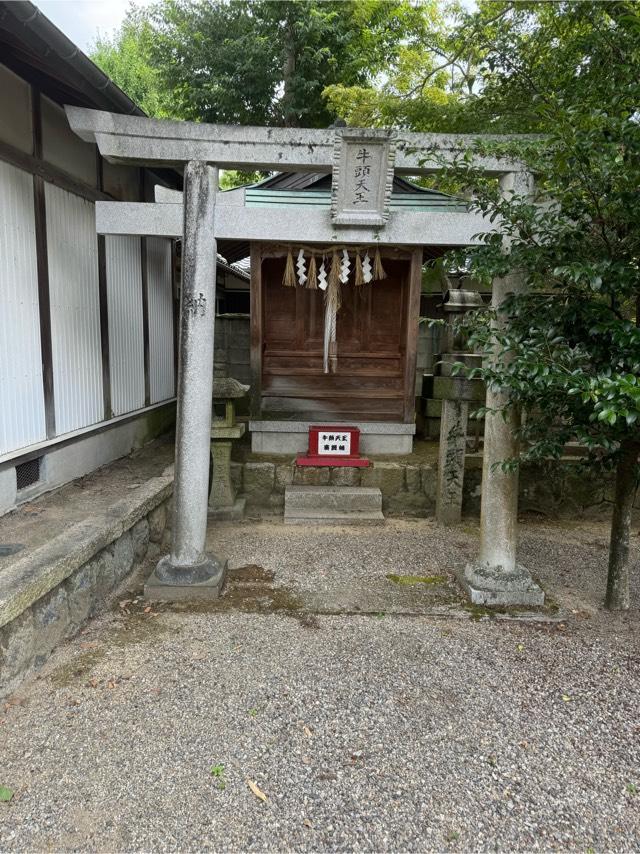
288 117
626 484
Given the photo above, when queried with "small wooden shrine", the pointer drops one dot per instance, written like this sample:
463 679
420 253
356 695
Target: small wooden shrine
334 327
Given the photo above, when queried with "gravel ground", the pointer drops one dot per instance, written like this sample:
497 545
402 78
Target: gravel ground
391 731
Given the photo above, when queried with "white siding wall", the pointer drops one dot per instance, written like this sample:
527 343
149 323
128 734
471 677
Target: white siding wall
22 420
161 365
75 310
126 340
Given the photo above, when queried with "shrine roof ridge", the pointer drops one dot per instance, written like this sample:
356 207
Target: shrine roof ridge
138 139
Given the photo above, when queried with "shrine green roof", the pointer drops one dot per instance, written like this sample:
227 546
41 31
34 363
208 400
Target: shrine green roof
256 197
314 190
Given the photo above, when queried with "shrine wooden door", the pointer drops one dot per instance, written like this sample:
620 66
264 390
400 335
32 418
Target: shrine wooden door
374 375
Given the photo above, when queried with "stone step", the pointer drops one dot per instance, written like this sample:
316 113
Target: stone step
332 505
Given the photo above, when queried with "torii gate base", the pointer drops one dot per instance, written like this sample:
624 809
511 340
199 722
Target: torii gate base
188 586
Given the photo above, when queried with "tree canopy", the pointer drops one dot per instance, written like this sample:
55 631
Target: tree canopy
126 58
569 355
261 62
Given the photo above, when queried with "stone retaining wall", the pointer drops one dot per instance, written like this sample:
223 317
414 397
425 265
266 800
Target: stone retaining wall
405 487
409 487
49 593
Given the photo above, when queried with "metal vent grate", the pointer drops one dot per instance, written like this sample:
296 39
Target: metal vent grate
28 473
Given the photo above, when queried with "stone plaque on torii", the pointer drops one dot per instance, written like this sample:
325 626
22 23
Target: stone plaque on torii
359 213
362 177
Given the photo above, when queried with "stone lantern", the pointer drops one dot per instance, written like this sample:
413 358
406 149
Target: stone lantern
223 503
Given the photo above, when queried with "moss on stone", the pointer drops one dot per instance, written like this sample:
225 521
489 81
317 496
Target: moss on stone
480 612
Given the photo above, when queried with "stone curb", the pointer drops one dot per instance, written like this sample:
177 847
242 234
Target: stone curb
36 574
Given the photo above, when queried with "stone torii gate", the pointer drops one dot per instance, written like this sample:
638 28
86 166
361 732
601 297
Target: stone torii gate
362 164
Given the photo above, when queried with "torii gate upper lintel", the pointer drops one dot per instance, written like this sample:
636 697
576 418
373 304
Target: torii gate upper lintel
188 572
137 140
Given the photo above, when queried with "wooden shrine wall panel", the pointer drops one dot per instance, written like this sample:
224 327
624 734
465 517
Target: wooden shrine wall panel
371 338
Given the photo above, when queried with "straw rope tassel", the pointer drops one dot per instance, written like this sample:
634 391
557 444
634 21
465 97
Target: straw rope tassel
331 307
332 300
312 275
378 269
334 272
289 280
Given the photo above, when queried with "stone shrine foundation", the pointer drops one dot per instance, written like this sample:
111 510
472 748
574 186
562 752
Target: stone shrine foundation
292 437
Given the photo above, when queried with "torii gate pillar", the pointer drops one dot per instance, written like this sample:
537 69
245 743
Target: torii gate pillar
188 572
496 577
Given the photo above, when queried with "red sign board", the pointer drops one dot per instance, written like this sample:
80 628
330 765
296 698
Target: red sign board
333 445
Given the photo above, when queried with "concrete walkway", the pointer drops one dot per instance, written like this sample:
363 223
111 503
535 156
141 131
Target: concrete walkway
373 712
